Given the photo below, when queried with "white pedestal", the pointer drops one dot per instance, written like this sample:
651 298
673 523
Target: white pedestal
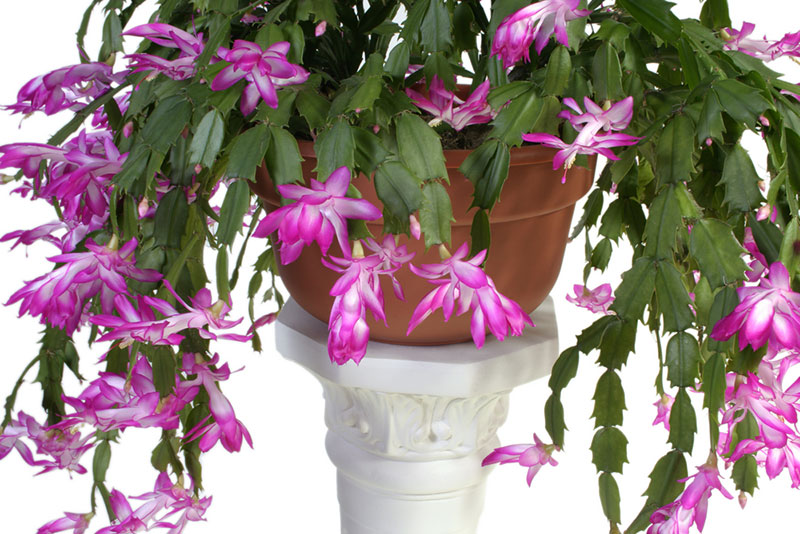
409 426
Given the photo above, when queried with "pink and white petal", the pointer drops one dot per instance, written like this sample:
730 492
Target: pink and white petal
226 78
337 183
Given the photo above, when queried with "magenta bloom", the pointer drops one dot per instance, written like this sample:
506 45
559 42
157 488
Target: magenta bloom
79 174
592 128
393 258
77 522
262 321
696 494
769 312
162 187
111 402
75 233
749 394
183 67
534 23
691 507
616 117
65 88
758 265
774 459
356 291
416 229
167 499
672 519
11 439
764 49
531 456
142 325
60 297
467 287
264 70
445 106
65 447
595 300
663 410
225 427
99 117
319 213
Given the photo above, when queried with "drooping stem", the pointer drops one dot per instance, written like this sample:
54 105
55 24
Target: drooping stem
660 377
11 399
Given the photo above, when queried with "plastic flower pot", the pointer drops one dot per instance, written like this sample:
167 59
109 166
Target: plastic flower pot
529 227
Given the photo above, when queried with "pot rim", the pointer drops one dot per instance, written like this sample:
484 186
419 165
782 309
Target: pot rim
454 157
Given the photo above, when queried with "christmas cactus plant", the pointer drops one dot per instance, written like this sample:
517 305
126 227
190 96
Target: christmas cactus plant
164 129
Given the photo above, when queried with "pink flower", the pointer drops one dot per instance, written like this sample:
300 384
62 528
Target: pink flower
758 265
769 312
225 427
65 88
691 507
531 456
796 96
99 117
617 117
671 519
447 107
77 522
534 23
763 49
356 291
749 395
65 446
320 28
393 257
113 402
264 70
590 139
167 498
262 321
181 68
415 228
79 174
664 408
75 233
764 212
596 300
775 459
141 325
11 438
465 287
319 213
696 494
250 18
60 297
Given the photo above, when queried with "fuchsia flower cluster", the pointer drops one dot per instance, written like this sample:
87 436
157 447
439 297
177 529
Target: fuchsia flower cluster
445 106
767 315
594 127
691 507
116 402
320 212
767 50
534 23
90 284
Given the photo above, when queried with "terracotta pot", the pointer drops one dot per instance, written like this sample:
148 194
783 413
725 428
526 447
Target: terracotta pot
529 225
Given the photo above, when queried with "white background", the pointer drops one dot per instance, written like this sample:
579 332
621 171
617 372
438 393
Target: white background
286 484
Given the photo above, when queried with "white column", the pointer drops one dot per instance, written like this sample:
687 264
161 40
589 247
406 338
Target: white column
409 426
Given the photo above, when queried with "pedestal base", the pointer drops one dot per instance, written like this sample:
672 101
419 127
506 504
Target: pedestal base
409 427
